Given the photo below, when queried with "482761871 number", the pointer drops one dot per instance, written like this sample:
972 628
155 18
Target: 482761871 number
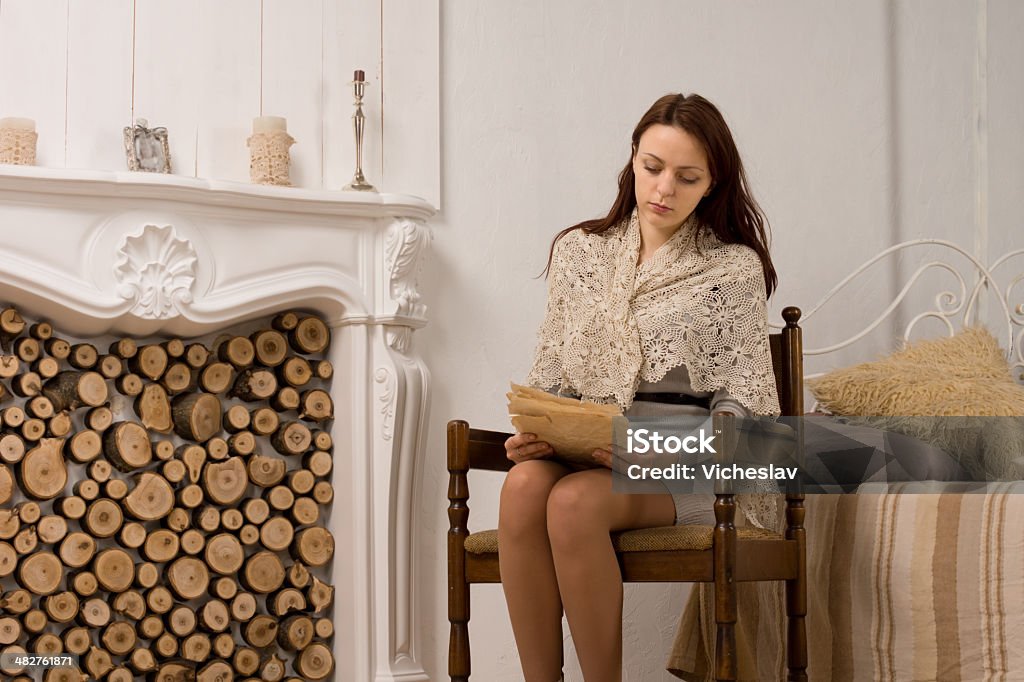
28 662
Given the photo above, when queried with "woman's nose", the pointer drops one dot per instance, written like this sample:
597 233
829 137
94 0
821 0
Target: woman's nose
666 184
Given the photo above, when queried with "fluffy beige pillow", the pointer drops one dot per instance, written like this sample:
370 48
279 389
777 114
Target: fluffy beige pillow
963 375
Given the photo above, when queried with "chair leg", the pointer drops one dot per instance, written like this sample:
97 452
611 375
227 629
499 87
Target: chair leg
458 519
458 638
724 548
796 593
796 631
458 605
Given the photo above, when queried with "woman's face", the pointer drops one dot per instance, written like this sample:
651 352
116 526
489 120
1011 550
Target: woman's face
671 171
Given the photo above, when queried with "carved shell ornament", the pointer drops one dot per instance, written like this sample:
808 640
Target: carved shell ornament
156 270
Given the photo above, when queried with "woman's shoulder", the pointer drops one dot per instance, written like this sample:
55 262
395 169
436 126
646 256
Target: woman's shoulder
739 260
580 234
579 239
731 251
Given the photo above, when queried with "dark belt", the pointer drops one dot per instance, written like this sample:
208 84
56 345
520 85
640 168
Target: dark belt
673 399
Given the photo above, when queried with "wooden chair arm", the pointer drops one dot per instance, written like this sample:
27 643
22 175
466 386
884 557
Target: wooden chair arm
476 449
487 450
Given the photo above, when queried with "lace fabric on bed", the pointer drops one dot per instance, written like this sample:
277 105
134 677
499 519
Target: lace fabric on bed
610 323
269 158
18 147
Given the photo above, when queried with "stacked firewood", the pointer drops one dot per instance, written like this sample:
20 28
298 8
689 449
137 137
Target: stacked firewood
162 504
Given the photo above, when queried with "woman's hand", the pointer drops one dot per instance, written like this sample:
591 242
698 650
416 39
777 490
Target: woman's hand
604 456
525 446
617 459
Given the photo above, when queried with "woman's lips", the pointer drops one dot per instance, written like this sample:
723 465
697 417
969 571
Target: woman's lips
658 208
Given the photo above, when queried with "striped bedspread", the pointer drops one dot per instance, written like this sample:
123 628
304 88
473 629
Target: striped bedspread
900 587
917 586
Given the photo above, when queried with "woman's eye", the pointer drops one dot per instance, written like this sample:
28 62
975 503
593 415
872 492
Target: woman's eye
652 171
688 181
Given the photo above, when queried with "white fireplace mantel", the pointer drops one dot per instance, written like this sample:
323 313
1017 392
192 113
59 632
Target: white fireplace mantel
145 254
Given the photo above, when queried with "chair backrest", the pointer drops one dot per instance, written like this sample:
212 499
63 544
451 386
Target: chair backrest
788 363
487 450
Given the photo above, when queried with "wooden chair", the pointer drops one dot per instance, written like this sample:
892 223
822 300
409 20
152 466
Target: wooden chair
720 554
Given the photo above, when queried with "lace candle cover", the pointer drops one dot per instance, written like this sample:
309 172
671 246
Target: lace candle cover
18 141
269 159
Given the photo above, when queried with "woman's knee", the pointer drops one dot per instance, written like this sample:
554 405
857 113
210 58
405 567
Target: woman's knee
577 509
524 495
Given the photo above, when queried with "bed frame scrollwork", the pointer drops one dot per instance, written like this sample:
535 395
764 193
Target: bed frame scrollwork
972 293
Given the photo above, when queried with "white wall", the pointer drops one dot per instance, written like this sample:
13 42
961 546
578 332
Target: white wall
1005 143
85 69
861 124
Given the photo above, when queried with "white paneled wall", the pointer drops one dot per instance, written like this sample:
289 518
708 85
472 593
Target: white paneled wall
360 24
33 68
292 61
98 82
229 89
84 69
168 73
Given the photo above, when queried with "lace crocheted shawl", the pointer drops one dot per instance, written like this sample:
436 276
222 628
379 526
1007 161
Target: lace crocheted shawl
697 302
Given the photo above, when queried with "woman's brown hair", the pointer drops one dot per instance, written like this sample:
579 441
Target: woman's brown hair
729 210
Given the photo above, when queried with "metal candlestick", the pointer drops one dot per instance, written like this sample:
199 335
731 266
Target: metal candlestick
359 182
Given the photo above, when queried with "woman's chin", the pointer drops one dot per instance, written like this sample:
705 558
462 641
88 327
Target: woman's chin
662 222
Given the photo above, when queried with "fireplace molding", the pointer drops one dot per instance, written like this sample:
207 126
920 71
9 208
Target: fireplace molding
104 253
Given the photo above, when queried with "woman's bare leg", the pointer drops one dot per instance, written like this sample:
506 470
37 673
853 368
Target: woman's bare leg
582 512
527 570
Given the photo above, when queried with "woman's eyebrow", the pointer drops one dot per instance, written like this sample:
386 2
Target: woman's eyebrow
677 168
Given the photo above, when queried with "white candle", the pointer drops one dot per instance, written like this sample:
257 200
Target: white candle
269 124
18 124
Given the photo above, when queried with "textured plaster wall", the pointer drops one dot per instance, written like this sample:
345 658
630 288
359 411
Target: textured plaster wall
861 124
1005 141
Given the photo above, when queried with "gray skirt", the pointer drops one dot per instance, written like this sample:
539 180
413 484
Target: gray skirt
692 509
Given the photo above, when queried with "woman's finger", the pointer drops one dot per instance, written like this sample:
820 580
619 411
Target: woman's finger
533 450
518 440
614 457
603 457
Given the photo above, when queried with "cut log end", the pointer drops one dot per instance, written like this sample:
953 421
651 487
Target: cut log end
310 336
43 471
196 416
127 446
152 498
315 662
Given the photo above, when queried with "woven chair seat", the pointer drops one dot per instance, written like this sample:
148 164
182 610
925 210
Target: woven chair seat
662 539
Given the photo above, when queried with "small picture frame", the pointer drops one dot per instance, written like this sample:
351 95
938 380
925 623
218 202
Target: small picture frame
146 148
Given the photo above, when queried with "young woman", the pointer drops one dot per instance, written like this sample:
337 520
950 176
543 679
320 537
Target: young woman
659 307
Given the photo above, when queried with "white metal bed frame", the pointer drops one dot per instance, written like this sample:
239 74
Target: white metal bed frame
974 287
